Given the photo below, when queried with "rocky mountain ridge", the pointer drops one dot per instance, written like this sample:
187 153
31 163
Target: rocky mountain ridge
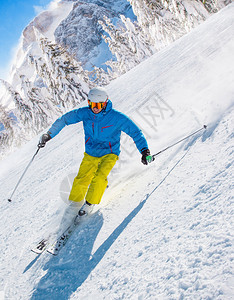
74 26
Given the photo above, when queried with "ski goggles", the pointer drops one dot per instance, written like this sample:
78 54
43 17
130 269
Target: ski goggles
98 105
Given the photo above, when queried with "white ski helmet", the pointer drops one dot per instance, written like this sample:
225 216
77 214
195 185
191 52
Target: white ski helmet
97 94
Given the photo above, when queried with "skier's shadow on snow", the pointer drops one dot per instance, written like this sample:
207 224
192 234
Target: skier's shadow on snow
70 269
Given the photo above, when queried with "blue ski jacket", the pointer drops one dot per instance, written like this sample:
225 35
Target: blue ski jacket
102 130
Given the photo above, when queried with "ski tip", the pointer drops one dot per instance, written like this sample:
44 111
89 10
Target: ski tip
52 252
37 251
205 126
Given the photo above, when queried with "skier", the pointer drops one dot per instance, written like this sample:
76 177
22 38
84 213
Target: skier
102 127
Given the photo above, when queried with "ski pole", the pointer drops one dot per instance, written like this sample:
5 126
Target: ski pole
10 199
204 127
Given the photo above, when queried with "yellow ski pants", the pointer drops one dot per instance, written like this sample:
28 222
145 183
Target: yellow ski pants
92 176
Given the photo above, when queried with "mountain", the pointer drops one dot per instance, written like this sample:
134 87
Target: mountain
78 28
74 25
162 231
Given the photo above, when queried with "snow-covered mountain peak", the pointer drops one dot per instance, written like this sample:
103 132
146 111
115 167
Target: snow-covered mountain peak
73 25
46 22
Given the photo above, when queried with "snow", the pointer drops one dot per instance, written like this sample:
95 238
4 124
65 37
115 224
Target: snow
163 231
59 11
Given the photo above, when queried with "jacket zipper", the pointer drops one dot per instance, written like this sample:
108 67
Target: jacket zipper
105 127
110 147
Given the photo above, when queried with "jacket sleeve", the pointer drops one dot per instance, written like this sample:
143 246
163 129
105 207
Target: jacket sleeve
72 117
130 128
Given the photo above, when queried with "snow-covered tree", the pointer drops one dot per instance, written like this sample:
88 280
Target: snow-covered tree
159 23
7 132
127 42
59 83
164 21
22 110
99 77
43 110
215 5
64 77
12 131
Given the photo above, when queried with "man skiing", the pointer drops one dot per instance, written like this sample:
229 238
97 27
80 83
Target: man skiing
102 127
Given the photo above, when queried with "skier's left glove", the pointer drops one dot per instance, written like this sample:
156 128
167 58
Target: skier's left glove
44 139
146 157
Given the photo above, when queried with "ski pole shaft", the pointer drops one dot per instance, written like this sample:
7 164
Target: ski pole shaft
204 127
10 199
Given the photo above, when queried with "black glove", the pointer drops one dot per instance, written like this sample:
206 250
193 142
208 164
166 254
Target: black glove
43 139
146 157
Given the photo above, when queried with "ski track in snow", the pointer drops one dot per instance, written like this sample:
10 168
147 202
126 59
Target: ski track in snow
163 231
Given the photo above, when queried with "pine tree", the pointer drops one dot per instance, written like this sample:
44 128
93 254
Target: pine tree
127 43
43 71
42 108
22 110
64 77
99 77
12 130
160 22
213 6
164 21
63 84
7 132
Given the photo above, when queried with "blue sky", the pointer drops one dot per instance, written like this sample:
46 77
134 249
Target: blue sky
14 17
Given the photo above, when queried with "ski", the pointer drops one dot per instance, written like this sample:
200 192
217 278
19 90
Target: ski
63 238
59 242
41 246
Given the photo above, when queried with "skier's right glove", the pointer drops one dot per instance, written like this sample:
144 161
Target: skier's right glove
146 157
43 140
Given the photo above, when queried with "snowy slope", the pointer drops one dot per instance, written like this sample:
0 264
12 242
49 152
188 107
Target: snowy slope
163 231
